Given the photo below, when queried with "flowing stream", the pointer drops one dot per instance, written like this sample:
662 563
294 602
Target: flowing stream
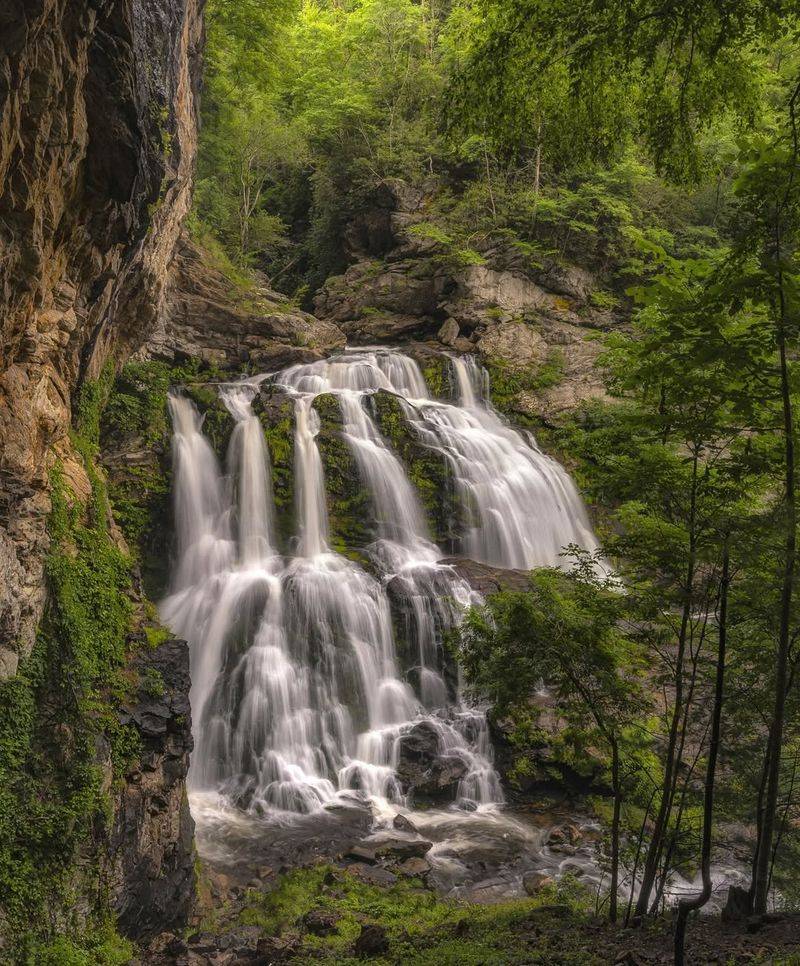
300 695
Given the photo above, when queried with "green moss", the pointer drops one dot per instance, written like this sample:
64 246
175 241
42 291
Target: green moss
54 717
100 947
278 423
136 422
438 377
421 928
350 514
427 469
91 402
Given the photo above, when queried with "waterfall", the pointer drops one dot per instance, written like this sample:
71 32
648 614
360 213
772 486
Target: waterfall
299 693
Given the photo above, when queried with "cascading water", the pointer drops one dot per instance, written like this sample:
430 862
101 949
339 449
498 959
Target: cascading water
299 697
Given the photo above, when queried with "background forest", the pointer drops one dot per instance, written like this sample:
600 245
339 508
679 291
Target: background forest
655 145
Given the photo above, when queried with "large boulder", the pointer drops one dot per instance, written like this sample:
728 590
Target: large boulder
487 579
424 768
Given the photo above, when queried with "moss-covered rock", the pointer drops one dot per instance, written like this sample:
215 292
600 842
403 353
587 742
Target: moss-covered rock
437 372
427 468
275 408
350 513
68 744
218 423
135 451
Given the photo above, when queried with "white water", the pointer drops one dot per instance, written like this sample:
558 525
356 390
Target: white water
299 694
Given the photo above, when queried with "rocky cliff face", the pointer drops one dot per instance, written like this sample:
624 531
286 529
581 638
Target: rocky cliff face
98 121
208 318
534 328
97 145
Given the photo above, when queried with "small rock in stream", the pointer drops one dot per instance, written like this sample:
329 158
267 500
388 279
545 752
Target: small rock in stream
403 848
404 824
533 882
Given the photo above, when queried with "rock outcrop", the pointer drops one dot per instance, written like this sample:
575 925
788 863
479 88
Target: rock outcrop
97 146
152 870
207 317
535 327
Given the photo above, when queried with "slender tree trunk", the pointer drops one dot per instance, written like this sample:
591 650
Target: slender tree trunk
537 171
489 179
656 846
637 857
616 785
760 887
686 906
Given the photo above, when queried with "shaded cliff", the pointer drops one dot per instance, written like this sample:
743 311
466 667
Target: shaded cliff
97 146
98 121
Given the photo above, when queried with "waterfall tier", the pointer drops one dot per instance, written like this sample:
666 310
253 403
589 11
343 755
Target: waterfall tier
300 692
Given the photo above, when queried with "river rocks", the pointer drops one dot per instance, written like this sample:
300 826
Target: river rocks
403 824
423 769
533 882
399 849
415 867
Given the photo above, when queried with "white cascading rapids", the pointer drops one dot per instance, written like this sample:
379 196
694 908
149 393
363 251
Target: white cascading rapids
299 696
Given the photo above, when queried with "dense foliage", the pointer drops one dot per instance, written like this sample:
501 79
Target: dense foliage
656 145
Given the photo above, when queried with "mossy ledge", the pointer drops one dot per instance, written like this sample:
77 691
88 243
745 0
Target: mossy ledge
135 437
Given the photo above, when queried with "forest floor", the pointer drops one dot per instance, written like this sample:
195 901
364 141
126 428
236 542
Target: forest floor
331 915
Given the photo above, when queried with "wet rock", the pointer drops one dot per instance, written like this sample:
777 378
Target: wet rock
414 866
363 853
372 874
422 767
404 824
449 332
564 835
372 941
533 882
152 876
403 848
319 922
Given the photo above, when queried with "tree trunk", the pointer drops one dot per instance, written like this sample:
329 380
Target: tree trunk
686 906
615 782
760 887
655 848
